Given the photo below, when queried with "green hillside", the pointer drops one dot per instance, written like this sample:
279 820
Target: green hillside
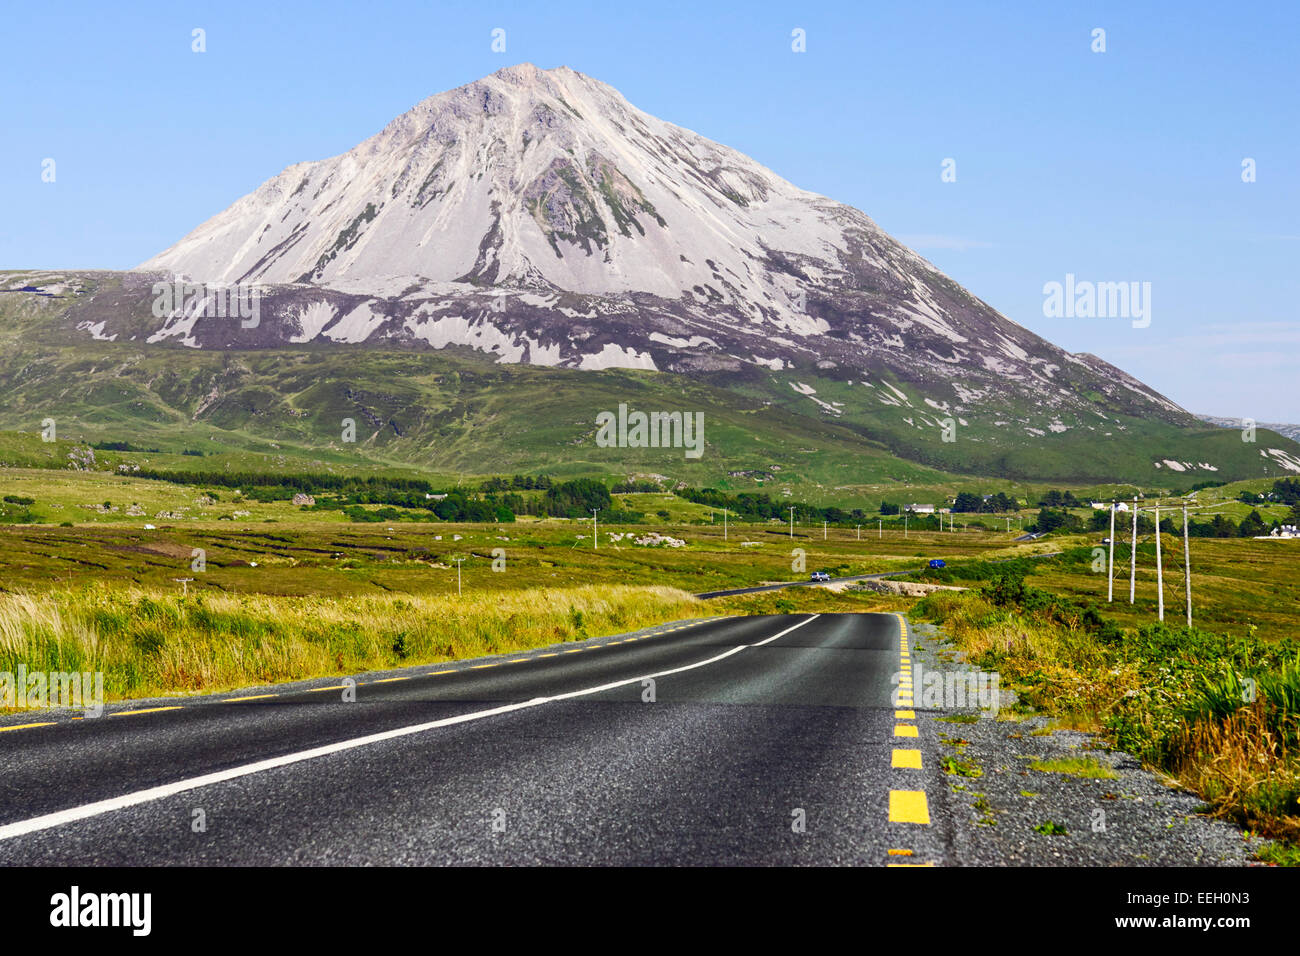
456 412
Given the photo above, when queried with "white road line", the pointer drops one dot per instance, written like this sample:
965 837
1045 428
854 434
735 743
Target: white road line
62 817
769 640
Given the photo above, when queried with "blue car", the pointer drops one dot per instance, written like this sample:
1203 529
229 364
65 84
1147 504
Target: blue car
937 563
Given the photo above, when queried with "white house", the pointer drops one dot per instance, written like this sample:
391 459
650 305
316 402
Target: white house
920 509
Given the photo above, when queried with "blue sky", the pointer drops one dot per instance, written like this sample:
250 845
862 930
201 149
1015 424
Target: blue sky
1115 166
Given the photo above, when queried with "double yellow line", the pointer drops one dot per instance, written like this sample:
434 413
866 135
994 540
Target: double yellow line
906 806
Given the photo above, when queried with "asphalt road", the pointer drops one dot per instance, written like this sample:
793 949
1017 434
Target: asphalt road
556 756
856 577
805 584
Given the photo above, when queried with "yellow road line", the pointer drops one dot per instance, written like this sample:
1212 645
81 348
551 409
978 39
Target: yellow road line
905 714
908 806
233 700
389 680
906 760
900 852
147 710
904 730
48 723
321 690
436 673
900 865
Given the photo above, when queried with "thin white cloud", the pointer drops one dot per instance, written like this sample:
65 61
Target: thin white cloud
1221 339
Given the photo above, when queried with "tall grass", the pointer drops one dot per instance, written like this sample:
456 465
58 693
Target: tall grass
1220 714
1239 746
150 642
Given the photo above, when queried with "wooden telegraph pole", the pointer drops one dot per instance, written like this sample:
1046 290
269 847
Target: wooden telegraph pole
1133 556
1187 567
1160 573
1110 566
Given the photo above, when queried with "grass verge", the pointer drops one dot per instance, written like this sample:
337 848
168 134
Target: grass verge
154 643
1219 714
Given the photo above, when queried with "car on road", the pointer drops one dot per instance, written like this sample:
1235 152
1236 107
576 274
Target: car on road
937 563
819 576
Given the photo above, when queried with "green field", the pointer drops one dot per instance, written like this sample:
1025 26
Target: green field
277 548
455 412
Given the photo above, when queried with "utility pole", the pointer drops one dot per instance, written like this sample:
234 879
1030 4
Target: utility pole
823 529
1160 573
1133 556
904 524
1110 567
595 533
724 524
792 522
1008 524
1187 567
458 561
859 532
880 527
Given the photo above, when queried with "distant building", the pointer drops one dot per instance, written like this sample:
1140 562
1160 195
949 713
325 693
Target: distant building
920 509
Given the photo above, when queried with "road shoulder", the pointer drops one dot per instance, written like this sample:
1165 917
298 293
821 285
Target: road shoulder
1022 794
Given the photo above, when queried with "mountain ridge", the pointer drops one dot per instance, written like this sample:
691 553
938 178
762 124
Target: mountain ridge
536 217
539 215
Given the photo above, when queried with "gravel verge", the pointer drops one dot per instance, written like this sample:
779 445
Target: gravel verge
1006 812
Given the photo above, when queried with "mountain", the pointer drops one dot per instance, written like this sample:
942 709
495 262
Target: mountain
1290 431
536 217
540 216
